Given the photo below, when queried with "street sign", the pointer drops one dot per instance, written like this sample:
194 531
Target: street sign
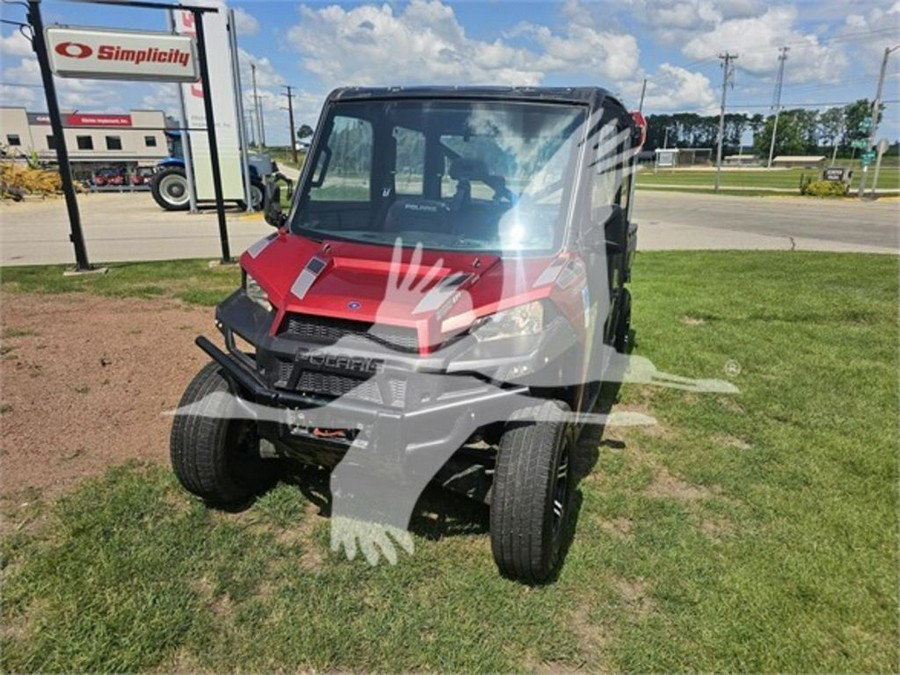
866 125
121 55
837 175
883 146
867 157
860 144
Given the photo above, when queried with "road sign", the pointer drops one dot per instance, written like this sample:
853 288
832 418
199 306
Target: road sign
121 55
867 157
883 146
860 144
865 125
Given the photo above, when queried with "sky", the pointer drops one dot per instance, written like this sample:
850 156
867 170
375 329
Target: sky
836 48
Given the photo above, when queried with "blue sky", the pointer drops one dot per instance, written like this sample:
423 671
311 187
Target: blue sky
835 51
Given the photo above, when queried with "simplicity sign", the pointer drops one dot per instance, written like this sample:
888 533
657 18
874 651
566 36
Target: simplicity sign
121 55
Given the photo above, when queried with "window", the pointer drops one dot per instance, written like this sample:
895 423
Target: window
344 168
409 168
113 142
150 141
13 139
84 142
51 142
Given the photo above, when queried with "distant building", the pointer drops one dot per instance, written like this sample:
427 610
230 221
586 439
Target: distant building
799 161
741 160
122 141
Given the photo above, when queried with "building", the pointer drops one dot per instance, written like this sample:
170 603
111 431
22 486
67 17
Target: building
799 161
741 160
124 141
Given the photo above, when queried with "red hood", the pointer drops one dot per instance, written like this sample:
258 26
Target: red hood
354 284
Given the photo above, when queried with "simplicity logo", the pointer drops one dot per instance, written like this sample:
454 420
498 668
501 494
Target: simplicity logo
76 50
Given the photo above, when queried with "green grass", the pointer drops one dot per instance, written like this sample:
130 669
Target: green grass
190 280
763 180
744 533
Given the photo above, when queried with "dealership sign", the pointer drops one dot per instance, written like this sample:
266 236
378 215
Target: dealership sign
121 55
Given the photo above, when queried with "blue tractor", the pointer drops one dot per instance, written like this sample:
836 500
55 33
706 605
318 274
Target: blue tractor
169 185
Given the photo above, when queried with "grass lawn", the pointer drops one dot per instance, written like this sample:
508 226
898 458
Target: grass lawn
764 180
744 533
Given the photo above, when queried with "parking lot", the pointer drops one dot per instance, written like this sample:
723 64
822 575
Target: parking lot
130 226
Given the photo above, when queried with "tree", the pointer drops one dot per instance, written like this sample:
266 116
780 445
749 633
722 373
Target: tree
832 127
791 139
305 131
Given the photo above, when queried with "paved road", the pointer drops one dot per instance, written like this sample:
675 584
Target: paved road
120 227
676 220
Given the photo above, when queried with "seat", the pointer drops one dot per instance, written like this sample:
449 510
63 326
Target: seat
414 214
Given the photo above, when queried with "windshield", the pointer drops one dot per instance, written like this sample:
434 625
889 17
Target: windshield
459 175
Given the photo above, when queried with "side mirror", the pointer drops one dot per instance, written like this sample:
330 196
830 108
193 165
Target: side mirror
272 205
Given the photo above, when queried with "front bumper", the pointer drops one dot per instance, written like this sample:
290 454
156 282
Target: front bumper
445 398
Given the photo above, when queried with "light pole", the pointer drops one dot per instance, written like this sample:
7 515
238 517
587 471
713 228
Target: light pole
876 106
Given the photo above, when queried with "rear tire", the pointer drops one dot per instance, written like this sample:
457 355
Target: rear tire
257 196
170 189
532 493
214 457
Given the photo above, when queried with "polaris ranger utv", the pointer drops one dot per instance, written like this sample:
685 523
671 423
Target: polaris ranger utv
449 283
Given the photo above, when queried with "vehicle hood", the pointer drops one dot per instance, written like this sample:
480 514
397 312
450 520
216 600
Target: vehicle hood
441 293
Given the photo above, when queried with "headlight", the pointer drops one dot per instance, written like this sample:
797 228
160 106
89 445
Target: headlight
255 292
522 320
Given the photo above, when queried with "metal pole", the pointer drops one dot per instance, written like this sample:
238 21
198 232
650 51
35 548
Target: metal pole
186 140
293 132
76 236
882 148
239 109
643 91
726 74
876 105
261 135
782 57
211 134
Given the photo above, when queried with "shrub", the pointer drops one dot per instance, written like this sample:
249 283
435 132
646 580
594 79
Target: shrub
18 180
823 188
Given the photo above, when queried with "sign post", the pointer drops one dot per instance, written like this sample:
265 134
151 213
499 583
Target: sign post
76 235
126 55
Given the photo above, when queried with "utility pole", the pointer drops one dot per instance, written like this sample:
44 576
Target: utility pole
727 76
876 109
776 100
293 132
261 130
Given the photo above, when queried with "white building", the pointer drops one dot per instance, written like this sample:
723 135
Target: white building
95 141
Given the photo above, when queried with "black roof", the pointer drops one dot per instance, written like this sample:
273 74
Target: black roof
592 96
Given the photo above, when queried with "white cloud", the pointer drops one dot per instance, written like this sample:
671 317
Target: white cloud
245 22
677 21
423 42
674 89
90 95
756 41
15 44
24 97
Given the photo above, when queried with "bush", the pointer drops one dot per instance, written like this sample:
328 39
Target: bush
823 188
18 180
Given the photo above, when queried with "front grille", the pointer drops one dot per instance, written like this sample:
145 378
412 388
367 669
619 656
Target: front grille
332 385
327 331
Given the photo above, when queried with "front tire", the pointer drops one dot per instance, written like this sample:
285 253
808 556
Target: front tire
532 493
170 189
213 456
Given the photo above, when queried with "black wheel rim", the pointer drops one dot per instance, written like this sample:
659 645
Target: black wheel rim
560 493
